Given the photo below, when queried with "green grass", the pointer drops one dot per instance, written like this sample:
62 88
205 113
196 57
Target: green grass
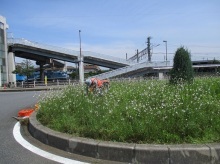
138 112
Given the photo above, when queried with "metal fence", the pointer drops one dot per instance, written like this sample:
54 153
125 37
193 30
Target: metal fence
34 84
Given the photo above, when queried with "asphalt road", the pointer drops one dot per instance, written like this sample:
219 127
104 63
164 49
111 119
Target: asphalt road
11 151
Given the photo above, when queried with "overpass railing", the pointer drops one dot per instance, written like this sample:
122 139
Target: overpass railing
130 68
22 41
104 57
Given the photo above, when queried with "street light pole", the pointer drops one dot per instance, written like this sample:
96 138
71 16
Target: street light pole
81 65
80 44
166 50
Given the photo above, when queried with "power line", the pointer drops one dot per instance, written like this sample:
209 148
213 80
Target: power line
205 53
193 45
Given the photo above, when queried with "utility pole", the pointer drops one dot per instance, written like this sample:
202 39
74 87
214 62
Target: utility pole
126 56
137 57
165 41
81 65
148 49
27 70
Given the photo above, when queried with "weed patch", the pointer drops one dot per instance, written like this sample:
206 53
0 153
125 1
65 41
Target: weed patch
138 112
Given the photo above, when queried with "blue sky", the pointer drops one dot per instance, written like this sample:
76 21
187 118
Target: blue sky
117 27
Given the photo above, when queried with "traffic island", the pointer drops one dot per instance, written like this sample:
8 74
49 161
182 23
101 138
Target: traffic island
125 152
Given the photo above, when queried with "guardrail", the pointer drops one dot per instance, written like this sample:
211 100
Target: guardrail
34 84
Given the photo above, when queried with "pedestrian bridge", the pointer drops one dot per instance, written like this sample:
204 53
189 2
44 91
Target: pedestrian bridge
133 70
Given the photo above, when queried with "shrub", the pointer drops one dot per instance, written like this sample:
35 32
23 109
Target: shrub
182 68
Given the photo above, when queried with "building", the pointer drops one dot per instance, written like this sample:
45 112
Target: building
3 52
71 69
7 60
87 69
91 68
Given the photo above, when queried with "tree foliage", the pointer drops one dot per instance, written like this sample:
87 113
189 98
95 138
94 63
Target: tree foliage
182 70
26 68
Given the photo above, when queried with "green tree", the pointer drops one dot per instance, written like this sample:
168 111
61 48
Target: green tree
182 70
26 68
74 75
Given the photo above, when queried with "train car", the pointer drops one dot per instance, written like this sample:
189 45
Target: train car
20 78
54 75
51 75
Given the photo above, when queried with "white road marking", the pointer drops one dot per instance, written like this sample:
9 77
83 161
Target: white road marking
18 137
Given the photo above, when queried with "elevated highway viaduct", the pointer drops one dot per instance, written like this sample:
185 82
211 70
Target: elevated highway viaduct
43 54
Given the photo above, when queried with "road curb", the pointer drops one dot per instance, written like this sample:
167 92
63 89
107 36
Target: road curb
31 89
125 152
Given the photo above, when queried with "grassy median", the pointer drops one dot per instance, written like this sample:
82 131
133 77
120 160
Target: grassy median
138 112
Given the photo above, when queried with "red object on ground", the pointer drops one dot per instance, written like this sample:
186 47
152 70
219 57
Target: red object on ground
99 82
25 112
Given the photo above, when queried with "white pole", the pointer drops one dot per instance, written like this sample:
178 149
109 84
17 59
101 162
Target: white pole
81 65
165 41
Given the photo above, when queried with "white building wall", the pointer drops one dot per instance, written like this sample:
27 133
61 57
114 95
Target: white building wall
3 51
0 78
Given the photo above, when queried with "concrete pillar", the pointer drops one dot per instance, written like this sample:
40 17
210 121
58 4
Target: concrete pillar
11 68
81 64
41 72
81 69
65 67
81 72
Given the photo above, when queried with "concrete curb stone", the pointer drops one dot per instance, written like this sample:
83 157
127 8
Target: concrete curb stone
83 146
24 90
152 153
33 89
116 151
38 132
189 154
215 153
58 140
124 152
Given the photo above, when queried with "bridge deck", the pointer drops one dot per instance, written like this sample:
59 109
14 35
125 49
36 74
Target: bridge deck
37 51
